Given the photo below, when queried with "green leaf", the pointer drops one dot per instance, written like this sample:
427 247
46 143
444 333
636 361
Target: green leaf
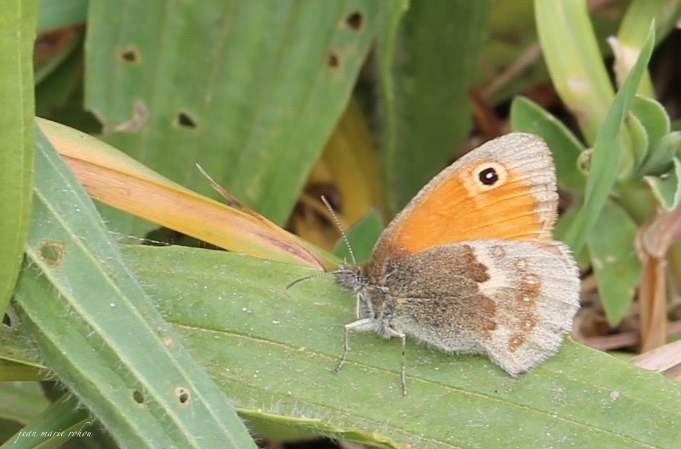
248 329
273 349
61 13
614 260
562 227
633 32
576 66
667 187
97 331
638 145
251 90
60 422
653 116
21 401
529 117
428 90
362 237
60 86
607 153
661 155
17 34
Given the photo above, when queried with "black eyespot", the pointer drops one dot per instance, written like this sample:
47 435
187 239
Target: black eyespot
488 176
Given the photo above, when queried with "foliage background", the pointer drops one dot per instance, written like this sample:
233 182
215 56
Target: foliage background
281 101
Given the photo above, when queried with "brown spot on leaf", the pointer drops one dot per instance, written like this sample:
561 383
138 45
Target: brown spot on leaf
138 120
51 252
332 60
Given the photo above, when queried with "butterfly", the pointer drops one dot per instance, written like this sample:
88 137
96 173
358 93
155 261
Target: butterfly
470 266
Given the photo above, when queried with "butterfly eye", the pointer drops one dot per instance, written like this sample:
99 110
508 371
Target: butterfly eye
488 176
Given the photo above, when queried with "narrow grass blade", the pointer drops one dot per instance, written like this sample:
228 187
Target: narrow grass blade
607 153
60 422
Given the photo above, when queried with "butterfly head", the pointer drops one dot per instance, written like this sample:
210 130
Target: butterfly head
351 277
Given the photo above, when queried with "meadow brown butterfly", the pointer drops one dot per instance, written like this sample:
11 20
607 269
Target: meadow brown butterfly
469 265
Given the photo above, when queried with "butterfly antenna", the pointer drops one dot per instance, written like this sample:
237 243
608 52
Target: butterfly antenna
305 278
345 239
340 228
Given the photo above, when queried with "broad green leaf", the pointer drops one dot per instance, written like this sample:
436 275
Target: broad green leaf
614 260
576 66
97 331
425 110
362 237
661 155
251 90
248 329
273 349
607 154
17 33
667 187
529 117
635 197
653 117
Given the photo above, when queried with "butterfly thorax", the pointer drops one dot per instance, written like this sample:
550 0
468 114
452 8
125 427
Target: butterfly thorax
373 299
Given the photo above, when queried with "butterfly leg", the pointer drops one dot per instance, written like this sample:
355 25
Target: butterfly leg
360 325
403 362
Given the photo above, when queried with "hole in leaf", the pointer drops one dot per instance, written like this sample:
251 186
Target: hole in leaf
51 252
332 60
138 397
354 20
185 120
182 395
7 321
130 55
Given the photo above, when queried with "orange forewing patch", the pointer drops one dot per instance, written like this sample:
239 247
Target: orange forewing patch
449 213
